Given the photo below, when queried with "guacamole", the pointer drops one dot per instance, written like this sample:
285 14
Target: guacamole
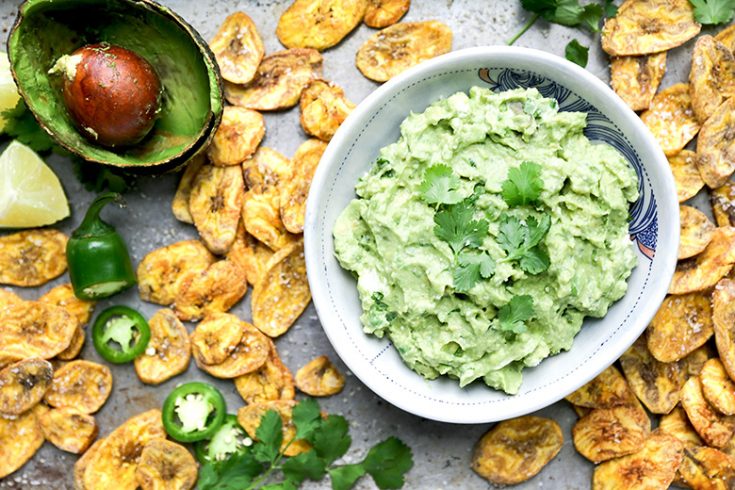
484 236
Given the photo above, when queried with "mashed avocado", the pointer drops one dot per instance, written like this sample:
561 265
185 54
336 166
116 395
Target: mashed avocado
485 235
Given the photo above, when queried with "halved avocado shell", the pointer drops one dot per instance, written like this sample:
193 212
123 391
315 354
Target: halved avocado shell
192 102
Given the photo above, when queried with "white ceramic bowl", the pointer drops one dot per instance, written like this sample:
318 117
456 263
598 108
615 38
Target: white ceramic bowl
654 229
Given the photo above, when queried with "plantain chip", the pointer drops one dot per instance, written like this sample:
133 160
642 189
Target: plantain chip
250 353
324 107
396 48
653 467
295 191
716 146
319 24
649 26
249 418
727 37
168 352
216 337
180 202
75 346
636 78
706 269
63 297
165 465
609 389
723 317
237 137
607 433
676 423
69 429
83 385
34 329
707 468
282 293
581 411
81 465
20 438
383 13
717 387
272 381
712 76
113 464
696 232
671 118
686 174
23 385
279 81
319 377
238 48
8 297
32 258
215 290
723 204
516 450
249 255
681 325
714 428
695 361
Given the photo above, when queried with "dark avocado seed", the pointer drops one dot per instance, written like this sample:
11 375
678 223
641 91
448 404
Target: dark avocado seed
112 94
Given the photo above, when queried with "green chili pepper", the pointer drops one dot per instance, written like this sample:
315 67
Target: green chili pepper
193 412
125 327
229 439
99 263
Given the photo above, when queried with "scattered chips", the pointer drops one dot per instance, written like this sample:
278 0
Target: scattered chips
32 258
249 255
723 204
237 137
516 450
706 269
696 232
686 174
319 24
279 81
23 385
69 429
712 76
383 13
238 48
396 48
714 428
636 78
20 438
249 418
180 202
717 387
681 325
83 385
248 355
324 107
671 118
607 433
34 329
295 191
272 381
319 377
676 423
609 389
707 468
165 465
716 146
723 317
168 352
217 289
63 297
216 337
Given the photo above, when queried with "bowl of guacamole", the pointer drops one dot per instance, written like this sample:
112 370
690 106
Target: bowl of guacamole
487 232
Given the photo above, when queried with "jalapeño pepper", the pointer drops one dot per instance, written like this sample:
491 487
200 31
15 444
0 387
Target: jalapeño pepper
193 412
125 327
229 439
99 263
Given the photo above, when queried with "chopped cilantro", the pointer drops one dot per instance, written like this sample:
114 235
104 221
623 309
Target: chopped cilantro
440 185
523 185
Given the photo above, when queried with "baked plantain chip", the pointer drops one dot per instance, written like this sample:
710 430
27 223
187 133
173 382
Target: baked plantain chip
63 297
272 381
715 429
723 204
649 26
34 329
671 118
727 37
319 24
32 258
636 78
216 337
83 385
319 377
396 48
279 81
581 411
249 418
81 465
609 389
704 271
237 137
249 255
180 202
113 464
165 465
707 468
295 191
383 13
215 203
75 346
23 385
653 467
716 146
20 438
723 317
215 290
8 297
686 174
324 107
695 361
69 429
607 433
712 76
238 48
282 293
681 325
248 355
676 423
696 232
516 450
717 387
168 352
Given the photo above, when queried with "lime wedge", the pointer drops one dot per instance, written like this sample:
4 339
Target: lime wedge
30 193
8 92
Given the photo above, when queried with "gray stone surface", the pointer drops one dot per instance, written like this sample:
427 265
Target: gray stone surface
441 451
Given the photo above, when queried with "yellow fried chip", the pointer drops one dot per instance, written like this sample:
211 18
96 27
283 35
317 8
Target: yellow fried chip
516 450
248 355
272 381
636 78
723 204
180 202
20 438
723 317
324 107
8 297
83 385
63 296
676 423
23 385
607 433
249 255
282 293
217 289
714 428
649 26
319 24
237 137
319 377
686 174
396 48
707 468
653 467
249 418
695 361
681 325
712 76
69 429
383 13
718 388
609 389
581 411
696 232
81 465
168 352
32 258
238 48
296 190
671 118
75 346
716 146
34 329
216 337
165 465
706 269
727 37
279 81
113 464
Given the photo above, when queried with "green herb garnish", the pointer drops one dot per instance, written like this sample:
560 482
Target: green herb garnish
568 13
440 186
513 315
712 12
456 225
577 53
521 242
523 185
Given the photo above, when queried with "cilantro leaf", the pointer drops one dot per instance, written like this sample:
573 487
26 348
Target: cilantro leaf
100 178
332 440
511 235
712 12
21 125
577 53
470 268
523 185
306 417
234 473
591 16
568 13
344 477
513 315
284 485
535 261
537 230
440 185
304 466
270 437
520 241
456 226
387 462
611 10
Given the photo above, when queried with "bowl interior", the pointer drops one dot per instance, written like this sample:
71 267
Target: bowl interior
654 229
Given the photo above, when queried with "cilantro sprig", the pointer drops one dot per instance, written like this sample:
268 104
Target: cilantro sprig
713 12
521 242
440 185
513 315
523 185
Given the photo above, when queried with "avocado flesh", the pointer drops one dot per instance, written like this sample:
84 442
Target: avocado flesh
192 100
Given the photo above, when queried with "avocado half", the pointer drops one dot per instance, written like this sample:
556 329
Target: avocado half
192 102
